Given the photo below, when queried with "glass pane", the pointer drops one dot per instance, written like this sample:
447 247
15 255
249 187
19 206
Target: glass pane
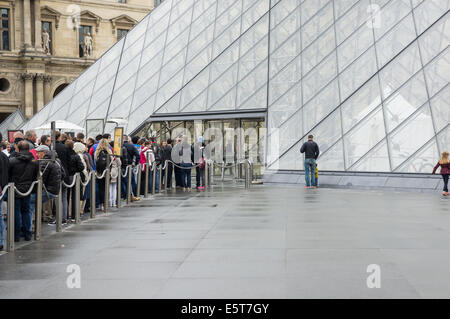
352 20
319 77
357 73
375 161
435 39
428 12
285 106
405 101
354 46
444 139
360 104
332 159
423 161
321 105
395 40
318 50
390 14
400 70
363 137
328 131
440 108
437 72
319 23
411 136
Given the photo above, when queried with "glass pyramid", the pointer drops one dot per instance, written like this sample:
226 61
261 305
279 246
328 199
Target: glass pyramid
368 78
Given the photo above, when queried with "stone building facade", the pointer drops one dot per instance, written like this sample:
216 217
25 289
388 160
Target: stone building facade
46 44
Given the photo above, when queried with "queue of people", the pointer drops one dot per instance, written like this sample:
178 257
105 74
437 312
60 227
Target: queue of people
22 161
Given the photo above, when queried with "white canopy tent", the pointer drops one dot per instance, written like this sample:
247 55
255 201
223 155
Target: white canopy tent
61 125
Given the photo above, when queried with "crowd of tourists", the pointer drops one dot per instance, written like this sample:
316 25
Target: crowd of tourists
22 161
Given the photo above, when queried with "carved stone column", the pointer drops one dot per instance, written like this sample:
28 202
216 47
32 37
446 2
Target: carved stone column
47 89
28 78
39 91
37 25
26 24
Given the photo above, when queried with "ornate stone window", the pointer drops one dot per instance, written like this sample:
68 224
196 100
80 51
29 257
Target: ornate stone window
90 18
5 29
47 37
123 23
51 15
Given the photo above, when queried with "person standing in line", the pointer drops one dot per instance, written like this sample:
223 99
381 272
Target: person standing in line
311 150
4 167
115 166
102 151
199 161
23 171
167 155
133 159
186 154
178 170
444 163
63 154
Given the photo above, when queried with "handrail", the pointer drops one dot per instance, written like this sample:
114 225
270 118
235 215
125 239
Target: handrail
27 192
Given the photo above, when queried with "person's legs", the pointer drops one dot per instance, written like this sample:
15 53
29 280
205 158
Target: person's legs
17 218
307 173
101 191
157 179
27 216
188 175
124 182
202 175
64 204
169 175
97 191
183 176
445 177
112 194
2 225
133 184
197 176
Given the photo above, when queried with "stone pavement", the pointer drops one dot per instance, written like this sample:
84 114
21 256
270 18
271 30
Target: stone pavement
266 242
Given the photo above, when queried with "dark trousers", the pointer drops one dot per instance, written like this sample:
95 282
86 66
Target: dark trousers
186 175
169 175
23 216
445 177
178 172
101 191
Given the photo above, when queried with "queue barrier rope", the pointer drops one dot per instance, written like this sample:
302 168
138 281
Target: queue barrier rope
4 191
26 193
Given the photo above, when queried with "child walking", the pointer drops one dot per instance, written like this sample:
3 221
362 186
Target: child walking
444 163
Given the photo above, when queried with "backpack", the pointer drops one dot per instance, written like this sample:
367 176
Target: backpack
157 152
100 162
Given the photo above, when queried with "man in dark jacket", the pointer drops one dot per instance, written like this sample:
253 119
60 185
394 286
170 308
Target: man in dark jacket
63 154
167 155
311 150
4 165
52 175
23 171
133 159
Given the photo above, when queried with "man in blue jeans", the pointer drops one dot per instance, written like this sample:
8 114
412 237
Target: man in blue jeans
23 171
311 150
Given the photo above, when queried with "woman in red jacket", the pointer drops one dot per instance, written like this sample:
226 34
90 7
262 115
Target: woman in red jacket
444 163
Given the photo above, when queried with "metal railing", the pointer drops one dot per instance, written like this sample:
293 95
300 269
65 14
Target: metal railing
77 185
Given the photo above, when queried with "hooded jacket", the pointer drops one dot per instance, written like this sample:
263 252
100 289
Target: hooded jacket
445 168
4 164
23 171
52 174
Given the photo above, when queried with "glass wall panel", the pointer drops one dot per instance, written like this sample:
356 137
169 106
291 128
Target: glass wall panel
411 136
377 160
437 73
440 108
423 161
332 159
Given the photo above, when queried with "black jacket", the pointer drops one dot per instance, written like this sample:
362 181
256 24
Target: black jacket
4 164
124 158
133 153
23 171
63 154
311 149
167 153
52 174
76 165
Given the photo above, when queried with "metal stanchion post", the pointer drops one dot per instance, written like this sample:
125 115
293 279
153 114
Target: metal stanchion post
107 181
76 197
93 207
147 169
211 169
166 171
139 176
206 174
160 177
59 210
153 178
119 187
173 180
130 171
11 216
38 217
